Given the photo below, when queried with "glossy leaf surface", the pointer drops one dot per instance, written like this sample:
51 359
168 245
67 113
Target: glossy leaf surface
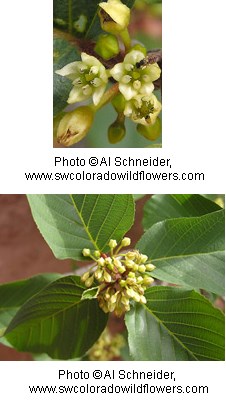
188 251
72 222
57 322
175 324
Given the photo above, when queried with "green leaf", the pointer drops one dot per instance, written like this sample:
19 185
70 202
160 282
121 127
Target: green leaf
57 322
188 251
71 222
14 294
175 324
63 54
163 206
78 17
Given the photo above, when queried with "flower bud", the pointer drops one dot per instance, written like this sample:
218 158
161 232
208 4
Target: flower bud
114 16
126 241
139 279
147 280
141 268
96 254
108 260
150 267
107 277
112 243
129 264
136 297
143 258
114 298
86 252
85 276
98 274
101 261
89 281
107 46
131 255
151 132
143 299
121 269
117 263
75 125
116 131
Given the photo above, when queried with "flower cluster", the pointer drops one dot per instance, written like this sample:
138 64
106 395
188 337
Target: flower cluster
121 277
88 77
134 77
107 347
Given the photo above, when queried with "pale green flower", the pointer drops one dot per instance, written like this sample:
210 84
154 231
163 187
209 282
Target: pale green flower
134 79
143 109
114 16
88 76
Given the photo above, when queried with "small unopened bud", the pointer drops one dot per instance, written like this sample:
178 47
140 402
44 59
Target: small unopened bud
89 281
85 276
108 260
101 261
122 283
131 255
136 297
116 130
112 243
74 126
130 292
97 254
141 268
107 46
143 299
121 269
114 298
143 258
117 263
131 275
148 280
98 274
126 241
129 264
150 267
107 277
86 252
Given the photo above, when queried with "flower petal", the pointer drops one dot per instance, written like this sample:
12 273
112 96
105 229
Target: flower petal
90 60
98 93
76 95
127 91
117 71
133 57
153 71
147 89
70 70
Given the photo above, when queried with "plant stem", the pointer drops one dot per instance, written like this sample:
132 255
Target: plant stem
126 39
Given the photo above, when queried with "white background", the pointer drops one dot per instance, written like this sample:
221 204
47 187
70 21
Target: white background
194 131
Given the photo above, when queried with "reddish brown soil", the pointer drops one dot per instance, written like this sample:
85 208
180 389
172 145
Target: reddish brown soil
23 252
